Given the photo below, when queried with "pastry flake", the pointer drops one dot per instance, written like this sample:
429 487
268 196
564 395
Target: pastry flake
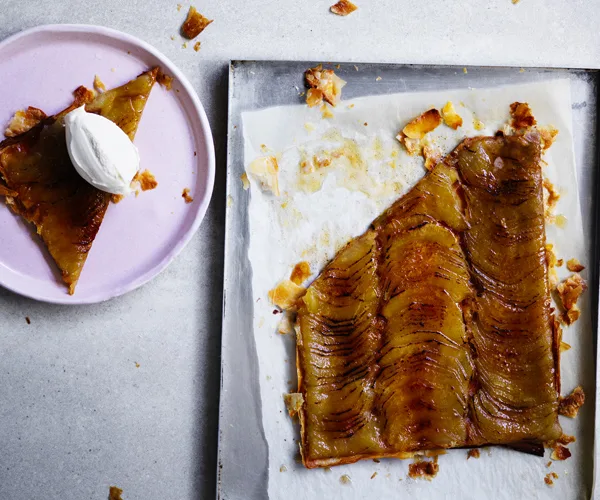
423 469
186 195
293 403
569 405
286 294
326 82
413 146
300 273
574 266
146 180
194 24
343 8
24 120
266 172
521 116
115 493
422 125
431 155
569 292
165 81
451 118
99 84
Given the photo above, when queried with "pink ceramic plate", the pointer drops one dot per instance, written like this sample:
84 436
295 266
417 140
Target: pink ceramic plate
140 236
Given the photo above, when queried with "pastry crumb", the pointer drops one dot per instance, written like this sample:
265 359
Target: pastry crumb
465 71
560 453
137 365
478 124
521 116
552 196
451 118
283 468
424 469
24 120
373 475
186 195
179 7
345 479
286 294
99 85
327 82
164 80
432 156
114 493
569 405
574 266
549 478
378 79
422 125
286 325
564 439
197 46
564 346
551 260
325 111
266 171
412 146
194 24
28 320
314 97
300 273
146 180
473 453
184 45
293 402
343 8
569 292
245 181
548 134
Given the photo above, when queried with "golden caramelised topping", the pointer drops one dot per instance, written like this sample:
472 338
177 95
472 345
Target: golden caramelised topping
433 329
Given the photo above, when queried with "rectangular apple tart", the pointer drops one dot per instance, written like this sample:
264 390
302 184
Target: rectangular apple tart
434 329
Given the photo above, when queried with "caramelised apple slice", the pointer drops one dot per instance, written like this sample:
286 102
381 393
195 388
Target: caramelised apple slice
45 189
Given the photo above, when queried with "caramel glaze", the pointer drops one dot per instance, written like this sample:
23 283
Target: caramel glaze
433 329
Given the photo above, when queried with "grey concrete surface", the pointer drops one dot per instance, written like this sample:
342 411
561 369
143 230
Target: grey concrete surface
76 415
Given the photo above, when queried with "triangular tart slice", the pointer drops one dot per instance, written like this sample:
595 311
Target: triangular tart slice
42 186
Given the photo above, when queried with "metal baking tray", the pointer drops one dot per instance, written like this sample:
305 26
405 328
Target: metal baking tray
243 458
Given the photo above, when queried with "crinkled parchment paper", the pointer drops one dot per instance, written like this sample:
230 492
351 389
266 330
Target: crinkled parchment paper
318 213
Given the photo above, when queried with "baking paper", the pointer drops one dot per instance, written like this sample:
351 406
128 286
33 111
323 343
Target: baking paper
310 223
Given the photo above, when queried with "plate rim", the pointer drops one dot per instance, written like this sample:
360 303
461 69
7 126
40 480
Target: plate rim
202 207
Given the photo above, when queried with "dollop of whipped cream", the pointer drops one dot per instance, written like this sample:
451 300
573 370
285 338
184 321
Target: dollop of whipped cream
101 152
